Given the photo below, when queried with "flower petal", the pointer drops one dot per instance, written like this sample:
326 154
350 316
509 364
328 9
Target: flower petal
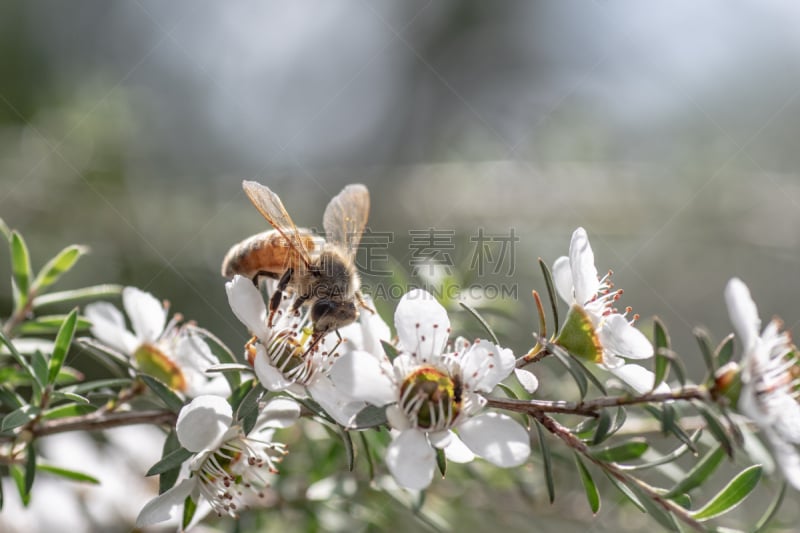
788 458
248 305
341 407
148 316
203 422
422 325
362 377
166 506
562 278
278 413
638 378
411 459
527 379
457 451
496 437
108 325
367 333
743 312
270 377
619 337
581 262
485 365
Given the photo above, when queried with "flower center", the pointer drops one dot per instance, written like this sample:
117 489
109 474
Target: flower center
151 360
236 473
431 398
288 352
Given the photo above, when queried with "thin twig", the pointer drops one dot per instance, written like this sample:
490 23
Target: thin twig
578 445
91 422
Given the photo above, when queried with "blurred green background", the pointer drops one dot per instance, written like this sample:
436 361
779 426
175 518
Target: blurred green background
669 132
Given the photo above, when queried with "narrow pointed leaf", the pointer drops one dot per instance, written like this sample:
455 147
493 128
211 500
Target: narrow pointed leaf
627 492
95 292
247 411
103 352
348 448
189 508
64 411
18 474
63 342
704 342
5 230
370 417
223 354
228 367
724 350
89 386
50 324
170 399
18 357
551 292
699 473
771 511
391 351
577 375
603 427
39 365
666 519
441 461
547 462
20 270
169 476
622 452
592 494
171 460
19 417
30 467
662 345
481 320
367 454
732 495
72 475
715 427
667 458
57 266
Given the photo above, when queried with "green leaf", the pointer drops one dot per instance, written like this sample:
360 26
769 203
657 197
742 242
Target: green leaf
18 473
349 450
619 420
370 417
64 411
21 361
57 266
189 508
168 478
114 383
592 494
732 495
662 345
441 461
19 417
368 454
724 350
391 351
674 428
547 462
20 270
663 517
10 398
684 500
577 374
30 467
603 426
170 399
103 353
170 461
480 319
39 365
68 474
699 473
771 511
551 293
5 230
627 492
704 341
628 451
247 411
229 367
667 458
63 342
50 324
95 292
715 427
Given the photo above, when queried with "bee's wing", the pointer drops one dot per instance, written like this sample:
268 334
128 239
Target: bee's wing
270 206
346 217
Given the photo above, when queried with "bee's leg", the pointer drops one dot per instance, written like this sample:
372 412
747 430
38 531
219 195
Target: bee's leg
277 296
299 301
318 336
363 304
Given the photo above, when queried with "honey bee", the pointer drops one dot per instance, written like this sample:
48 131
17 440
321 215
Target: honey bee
321 273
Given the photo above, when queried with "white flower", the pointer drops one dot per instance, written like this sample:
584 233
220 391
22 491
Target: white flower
615 338
769 395
228 468
431 392
162 349
284 357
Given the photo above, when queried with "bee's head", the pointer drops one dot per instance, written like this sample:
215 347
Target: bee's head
328 315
